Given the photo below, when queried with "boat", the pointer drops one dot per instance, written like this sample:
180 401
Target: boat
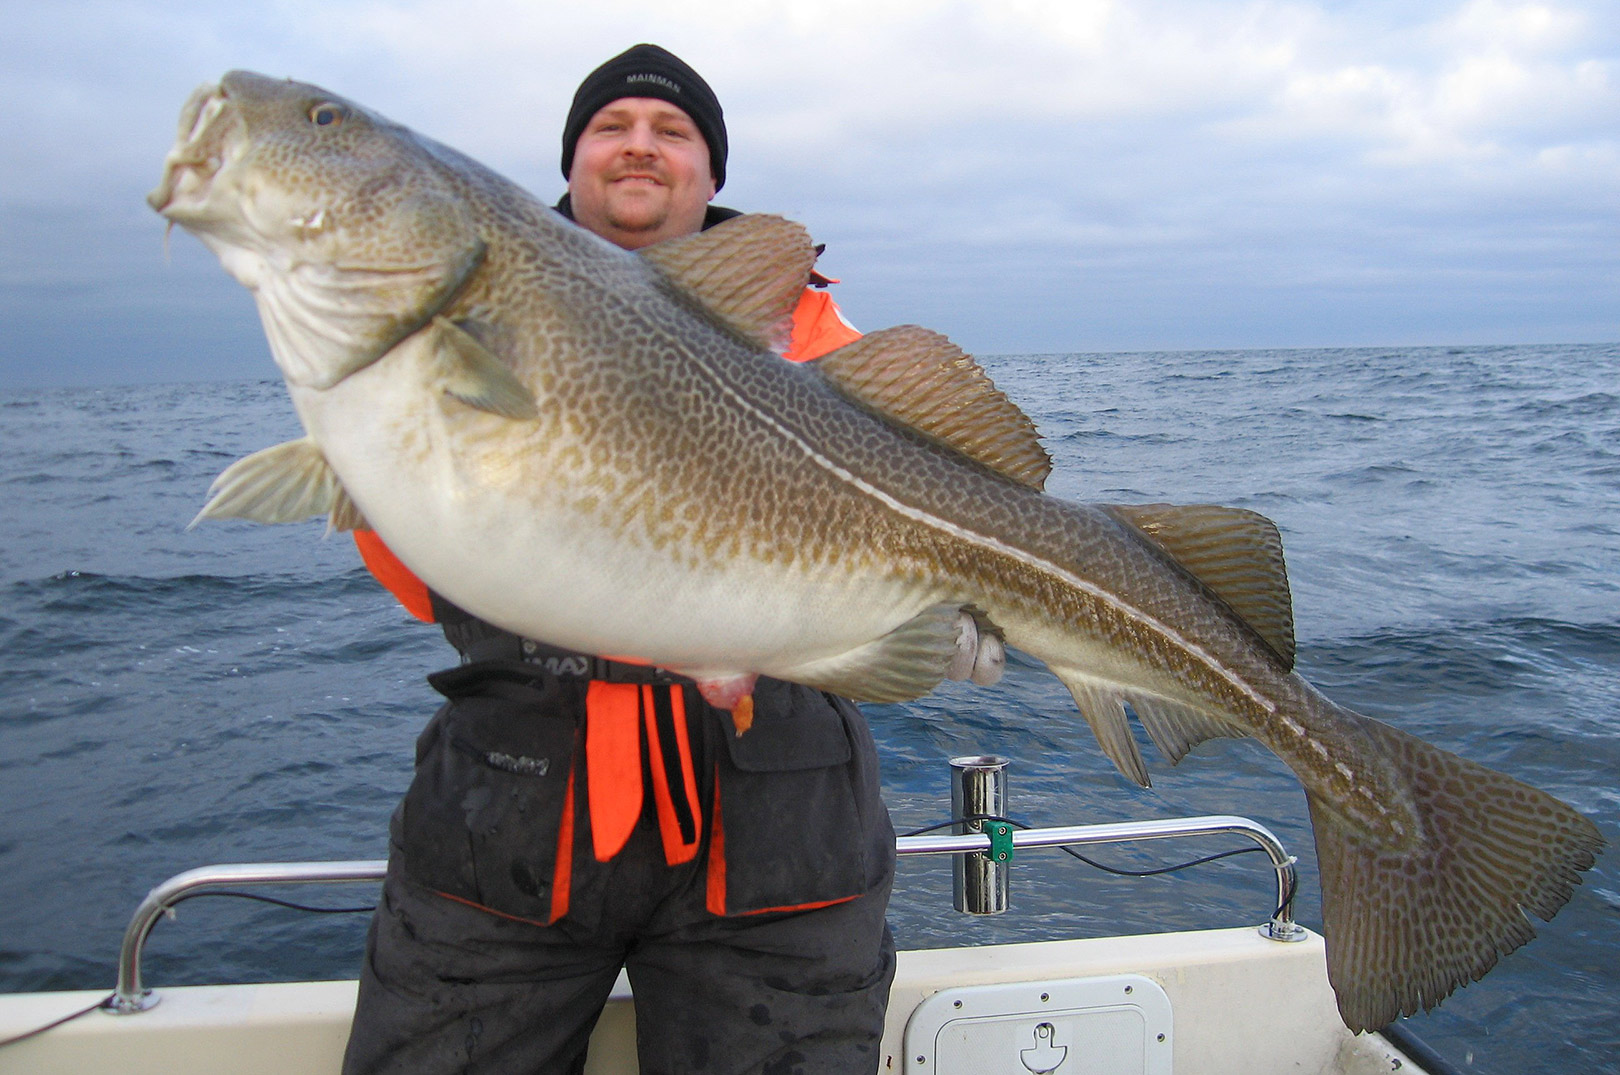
1248 998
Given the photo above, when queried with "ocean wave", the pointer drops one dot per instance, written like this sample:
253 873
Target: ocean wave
1587 405
1515 692
121 628
88 591
1561 640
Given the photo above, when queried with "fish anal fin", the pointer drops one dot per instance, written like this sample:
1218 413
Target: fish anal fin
1407 922
1236 553
748 271
469 372
922 380
1102 706
287 483
906 663
1176 728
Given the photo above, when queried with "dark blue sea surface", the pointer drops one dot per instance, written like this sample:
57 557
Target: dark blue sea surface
236 692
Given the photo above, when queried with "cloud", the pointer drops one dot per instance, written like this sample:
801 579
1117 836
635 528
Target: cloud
1025 174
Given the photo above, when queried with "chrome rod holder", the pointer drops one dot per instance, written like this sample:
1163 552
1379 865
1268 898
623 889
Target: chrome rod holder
981 881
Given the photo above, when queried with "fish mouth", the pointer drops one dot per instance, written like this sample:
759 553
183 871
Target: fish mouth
200 151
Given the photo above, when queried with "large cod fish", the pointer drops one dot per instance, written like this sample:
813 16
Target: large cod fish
598 449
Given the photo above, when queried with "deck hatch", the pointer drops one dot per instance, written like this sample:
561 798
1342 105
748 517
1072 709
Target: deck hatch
1116 1025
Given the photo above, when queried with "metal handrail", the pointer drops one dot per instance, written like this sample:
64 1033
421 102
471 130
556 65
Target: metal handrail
130 997
1281 926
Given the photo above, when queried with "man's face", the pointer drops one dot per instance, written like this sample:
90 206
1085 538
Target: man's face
640 173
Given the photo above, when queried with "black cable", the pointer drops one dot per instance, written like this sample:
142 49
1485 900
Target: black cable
273 900
1288 897
52 1026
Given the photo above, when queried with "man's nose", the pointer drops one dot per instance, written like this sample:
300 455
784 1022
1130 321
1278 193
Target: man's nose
641 142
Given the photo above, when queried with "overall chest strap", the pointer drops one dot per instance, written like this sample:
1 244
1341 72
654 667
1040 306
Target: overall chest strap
627 725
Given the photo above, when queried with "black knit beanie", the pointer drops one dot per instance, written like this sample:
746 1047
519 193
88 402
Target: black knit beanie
649 71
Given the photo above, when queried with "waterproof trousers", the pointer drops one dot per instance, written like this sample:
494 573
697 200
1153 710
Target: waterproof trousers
764 951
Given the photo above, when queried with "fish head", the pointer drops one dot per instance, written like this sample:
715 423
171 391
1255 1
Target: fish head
351 231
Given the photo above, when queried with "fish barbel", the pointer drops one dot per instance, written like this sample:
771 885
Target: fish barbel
597 449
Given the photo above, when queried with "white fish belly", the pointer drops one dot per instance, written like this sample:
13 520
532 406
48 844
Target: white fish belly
469 502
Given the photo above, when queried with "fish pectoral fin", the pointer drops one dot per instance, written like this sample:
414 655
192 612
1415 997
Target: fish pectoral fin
326 321
1176 728
471 374
906 663
749 271
1236 553
287 483
922 380
1104 709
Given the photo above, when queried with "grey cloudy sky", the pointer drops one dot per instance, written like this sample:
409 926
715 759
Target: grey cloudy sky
1025 175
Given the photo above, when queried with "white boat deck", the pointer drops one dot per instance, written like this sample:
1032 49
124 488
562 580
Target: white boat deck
1215 1002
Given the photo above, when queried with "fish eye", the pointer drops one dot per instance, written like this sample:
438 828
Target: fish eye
328 114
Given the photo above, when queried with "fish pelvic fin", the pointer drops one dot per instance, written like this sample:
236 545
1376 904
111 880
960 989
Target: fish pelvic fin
748 271
287 483
1236 553
1405 926
906 663
922 380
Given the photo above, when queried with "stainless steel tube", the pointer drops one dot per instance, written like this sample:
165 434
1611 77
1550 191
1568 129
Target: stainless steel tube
130 997
979 883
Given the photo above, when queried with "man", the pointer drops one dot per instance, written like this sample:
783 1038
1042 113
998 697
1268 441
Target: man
572 815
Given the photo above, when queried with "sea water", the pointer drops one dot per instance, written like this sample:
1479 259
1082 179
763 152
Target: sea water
240 693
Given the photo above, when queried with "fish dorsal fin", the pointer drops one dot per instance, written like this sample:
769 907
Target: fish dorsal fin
1234 552
287 483
749 271
923 380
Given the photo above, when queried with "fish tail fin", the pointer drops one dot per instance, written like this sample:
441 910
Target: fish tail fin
1406 926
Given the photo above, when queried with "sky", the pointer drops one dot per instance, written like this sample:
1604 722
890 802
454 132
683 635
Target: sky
1027 176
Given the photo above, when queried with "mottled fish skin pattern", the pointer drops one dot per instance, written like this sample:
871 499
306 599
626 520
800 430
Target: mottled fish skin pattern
681 496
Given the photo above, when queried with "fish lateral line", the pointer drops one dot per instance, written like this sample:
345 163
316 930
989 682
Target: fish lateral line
985 541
